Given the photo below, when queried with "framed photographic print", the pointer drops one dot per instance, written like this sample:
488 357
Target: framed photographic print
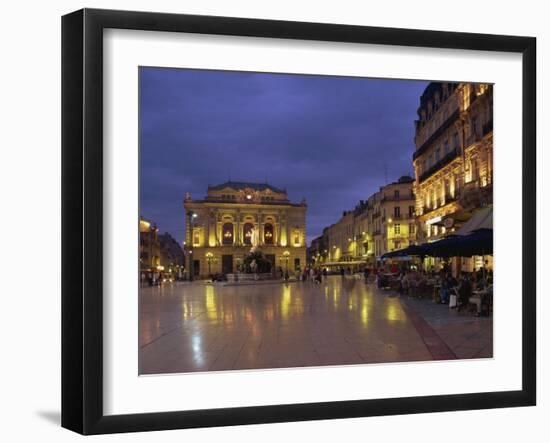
269 221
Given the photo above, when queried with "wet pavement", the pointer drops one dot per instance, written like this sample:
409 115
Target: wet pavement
466 336
190 327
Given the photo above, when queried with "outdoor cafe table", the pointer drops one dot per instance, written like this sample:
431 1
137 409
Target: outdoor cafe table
478 297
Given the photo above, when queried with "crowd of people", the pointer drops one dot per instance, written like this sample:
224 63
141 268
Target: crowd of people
447 289
456 291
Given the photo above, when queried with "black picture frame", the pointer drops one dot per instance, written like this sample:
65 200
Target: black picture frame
82 218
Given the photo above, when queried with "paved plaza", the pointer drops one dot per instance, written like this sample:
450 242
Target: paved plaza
190 327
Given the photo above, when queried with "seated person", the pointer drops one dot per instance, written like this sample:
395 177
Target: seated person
445 290
464 291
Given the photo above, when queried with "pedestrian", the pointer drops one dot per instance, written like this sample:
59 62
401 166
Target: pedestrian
445 290
318 276
366 274
405 283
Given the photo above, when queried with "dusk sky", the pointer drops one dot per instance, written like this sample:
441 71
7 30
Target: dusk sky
330 140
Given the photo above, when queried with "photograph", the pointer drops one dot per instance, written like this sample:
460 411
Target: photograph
291 220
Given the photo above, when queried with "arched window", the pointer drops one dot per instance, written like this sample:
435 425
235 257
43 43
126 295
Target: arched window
227 234
268 234
247 231
296 238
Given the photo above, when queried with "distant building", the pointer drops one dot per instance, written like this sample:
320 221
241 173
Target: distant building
221 228
171 256
393 222
149 247
341 244
384 222
317 253
453 161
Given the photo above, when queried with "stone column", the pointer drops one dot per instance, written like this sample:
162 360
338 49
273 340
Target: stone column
237 229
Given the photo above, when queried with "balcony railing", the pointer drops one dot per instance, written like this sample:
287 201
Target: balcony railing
438 132
449 157
393 198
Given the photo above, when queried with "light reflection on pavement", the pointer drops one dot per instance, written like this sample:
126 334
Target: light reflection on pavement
189 327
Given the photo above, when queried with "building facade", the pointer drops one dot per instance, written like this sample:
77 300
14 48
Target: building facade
341 244
396 224
149 247
453 160
384 222
222 227
317 252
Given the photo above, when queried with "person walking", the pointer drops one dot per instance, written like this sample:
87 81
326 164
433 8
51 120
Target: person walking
366 274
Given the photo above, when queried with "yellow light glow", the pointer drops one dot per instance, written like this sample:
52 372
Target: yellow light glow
394 313
210 301
365 313
286 300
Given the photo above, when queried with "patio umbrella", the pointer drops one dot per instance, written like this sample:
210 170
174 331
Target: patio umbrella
416 250
478 242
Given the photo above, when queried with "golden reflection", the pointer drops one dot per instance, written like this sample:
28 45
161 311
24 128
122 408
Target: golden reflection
269 314
351 304
335 296
394 312
211 305
298 305
228 318
286 299
365 313
248 315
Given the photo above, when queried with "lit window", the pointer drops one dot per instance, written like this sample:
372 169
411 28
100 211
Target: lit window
397 228
268 233
227 233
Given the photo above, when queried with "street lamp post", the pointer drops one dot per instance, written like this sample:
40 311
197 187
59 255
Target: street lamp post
209 258
286 256
191 215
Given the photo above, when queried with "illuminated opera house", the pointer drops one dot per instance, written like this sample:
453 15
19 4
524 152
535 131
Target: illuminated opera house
222 228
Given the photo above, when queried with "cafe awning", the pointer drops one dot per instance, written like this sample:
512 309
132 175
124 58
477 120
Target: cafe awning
481 219
478 242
